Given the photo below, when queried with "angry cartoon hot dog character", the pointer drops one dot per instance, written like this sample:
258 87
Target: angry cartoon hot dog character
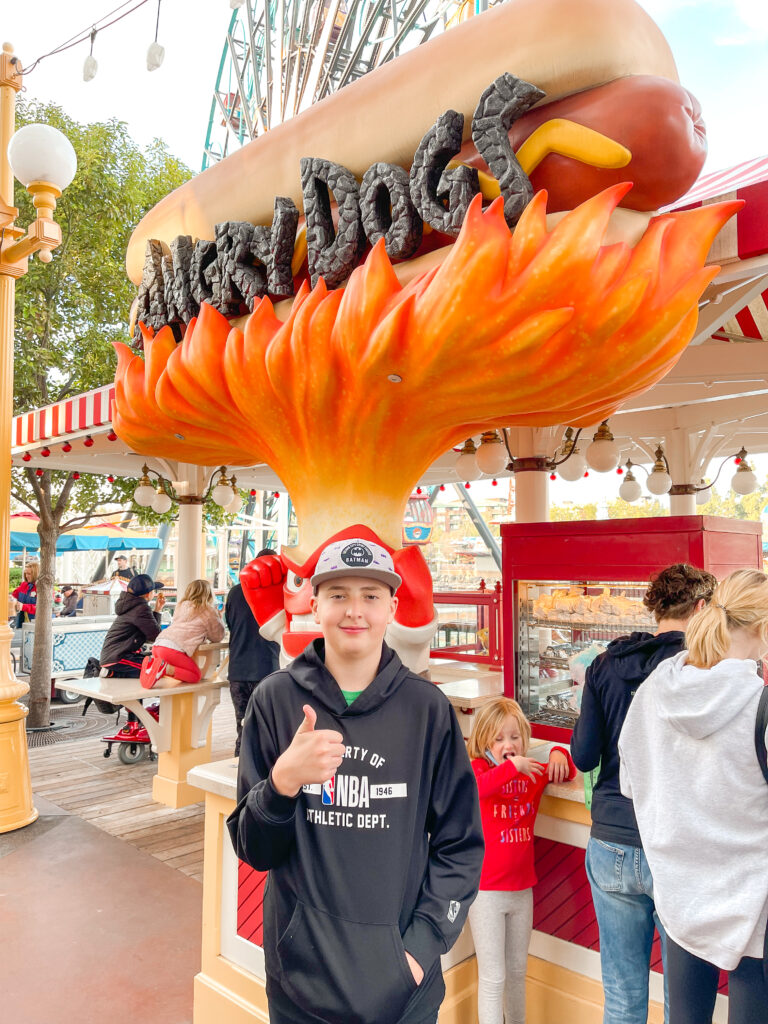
278 592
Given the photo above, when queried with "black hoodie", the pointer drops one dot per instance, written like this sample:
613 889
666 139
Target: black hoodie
611 682
136 624
383 859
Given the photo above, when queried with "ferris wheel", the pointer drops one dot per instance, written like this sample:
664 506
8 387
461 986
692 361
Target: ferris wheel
282 56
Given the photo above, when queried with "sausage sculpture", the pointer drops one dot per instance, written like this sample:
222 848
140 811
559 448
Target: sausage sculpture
360 289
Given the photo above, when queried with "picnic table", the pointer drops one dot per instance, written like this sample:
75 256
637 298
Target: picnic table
181 737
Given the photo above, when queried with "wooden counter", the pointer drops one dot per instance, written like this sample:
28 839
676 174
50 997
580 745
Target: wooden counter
563 964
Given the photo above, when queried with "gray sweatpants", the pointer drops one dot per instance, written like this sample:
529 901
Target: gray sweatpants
501 925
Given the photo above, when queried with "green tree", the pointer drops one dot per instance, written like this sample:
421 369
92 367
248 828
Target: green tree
572 513
645 508
68 314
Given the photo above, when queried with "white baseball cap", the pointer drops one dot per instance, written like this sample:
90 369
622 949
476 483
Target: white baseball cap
355 557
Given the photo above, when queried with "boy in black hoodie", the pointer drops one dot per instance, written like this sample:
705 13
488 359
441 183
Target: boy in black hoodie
356 793
622 887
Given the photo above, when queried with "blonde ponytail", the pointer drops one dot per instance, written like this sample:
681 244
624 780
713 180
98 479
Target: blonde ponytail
739 602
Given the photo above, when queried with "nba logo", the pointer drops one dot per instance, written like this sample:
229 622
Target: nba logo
328 789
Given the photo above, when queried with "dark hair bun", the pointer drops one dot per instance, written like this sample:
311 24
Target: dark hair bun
674 592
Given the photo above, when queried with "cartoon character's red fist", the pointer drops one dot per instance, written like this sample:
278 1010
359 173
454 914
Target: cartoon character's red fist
262 581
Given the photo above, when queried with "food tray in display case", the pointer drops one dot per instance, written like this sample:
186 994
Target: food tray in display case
560 628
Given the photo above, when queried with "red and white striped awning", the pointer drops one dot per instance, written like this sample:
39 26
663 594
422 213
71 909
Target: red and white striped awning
746 234
749 324
73 415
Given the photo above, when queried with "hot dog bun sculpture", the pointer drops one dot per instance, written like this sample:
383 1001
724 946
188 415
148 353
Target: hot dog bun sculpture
381 254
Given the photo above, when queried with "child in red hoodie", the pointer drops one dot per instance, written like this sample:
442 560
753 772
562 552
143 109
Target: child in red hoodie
511 785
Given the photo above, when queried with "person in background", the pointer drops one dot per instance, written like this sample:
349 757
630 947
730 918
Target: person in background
194 621
71 597
689 763
25 594
251 657
622 887
510 784
136 624
123 570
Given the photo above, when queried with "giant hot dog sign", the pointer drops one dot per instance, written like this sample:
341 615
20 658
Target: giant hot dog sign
465 239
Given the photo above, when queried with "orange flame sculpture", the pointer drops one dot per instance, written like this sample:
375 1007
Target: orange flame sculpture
362 388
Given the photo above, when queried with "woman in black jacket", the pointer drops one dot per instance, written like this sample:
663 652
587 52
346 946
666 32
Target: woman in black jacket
136 624
622 887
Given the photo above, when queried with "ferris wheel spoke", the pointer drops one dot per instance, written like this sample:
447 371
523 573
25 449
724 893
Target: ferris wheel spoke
281 56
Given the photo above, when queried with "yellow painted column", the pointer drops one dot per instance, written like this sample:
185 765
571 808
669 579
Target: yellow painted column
16 807
170 786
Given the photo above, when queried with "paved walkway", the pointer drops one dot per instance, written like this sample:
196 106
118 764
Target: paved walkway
100 899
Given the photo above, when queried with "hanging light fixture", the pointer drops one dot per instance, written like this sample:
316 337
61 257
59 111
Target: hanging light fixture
573 465
222 492
144 494
659 481
491 456
630 489
161 503
603 454
704 493
744 480
466 464
90 64
156 52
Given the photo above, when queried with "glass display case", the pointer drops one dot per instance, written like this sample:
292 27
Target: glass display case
561 628
569 585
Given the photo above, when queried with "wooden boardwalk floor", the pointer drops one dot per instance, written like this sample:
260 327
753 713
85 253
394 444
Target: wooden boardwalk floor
117 798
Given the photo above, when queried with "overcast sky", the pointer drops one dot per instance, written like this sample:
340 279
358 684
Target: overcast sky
719 45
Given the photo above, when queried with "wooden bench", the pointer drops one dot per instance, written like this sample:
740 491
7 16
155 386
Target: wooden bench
181 737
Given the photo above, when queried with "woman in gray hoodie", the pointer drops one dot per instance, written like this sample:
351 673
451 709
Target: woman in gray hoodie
688 763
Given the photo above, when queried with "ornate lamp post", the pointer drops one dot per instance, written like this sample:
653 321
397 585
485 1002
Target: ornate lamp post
44 162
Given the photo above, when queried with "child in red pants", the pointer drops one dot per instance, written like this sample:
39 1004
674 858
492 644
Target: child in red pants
195 621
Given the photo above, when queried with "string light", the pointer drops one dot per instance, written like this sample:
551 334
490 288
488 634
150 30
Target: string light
111 436
45 452
90 64
66 447
156 52
38 472
88 442
26 457
75 476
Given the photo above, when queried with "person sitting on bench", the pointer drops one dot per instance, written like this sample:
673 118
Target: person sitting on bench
194 621
136 624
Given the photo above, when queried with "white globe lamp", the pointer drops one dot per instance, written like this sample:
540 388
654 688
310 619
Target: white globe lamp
704 495
574 467
161 503
630 489
144 494
466 464
744 480
491 456
235 505
659 481
603 454
39 152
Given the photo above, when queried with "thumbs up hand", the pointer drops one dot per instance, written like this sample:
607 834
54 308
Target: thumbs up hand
312 756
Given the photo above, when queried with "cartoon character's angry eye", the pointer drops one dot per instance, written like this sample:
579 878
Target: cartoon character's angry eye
294 583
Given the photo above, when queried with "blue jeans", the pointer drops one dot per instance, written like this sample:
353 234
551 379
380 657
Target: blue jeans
622 892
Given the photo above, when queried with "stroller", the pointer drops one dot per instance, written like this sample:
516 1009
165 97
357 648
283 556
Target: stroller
132 740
